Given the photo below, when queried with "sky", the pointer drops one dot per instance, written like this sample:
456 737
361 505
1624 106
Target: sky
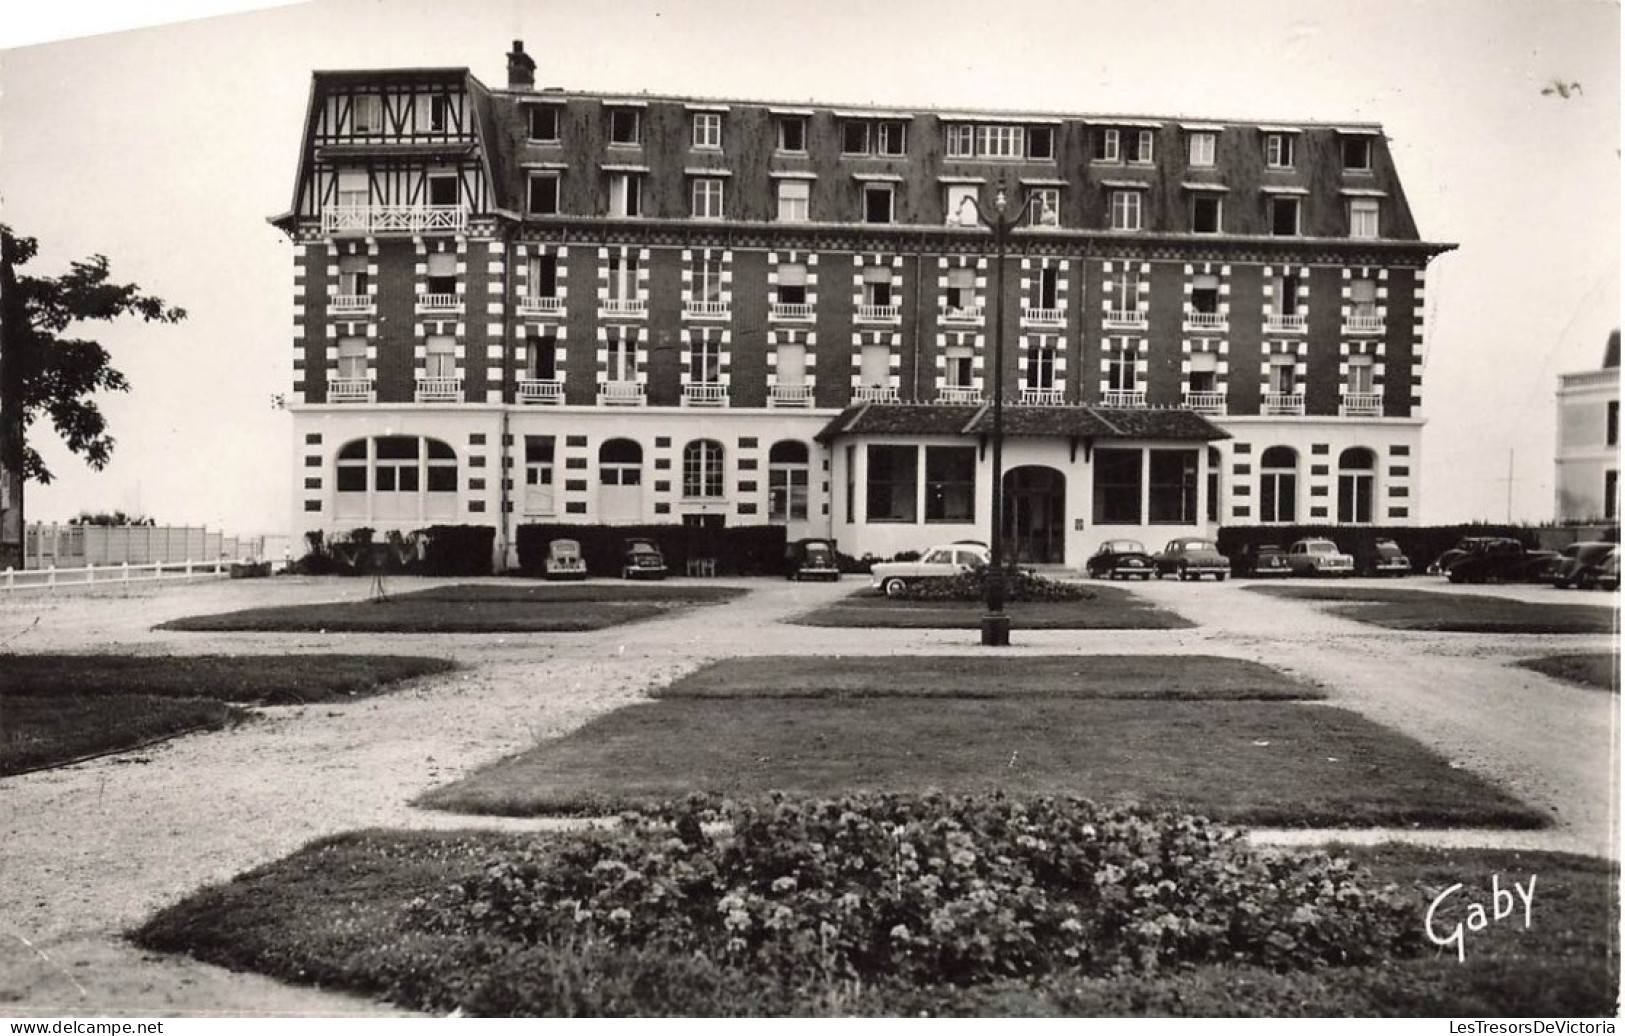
165 149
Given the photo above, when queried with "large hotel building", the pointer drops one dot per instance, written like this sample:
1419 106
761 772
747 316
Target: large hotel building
528 305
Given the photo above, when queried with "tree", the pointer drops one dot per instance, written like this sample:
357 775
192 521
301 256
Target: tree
110 518
43 371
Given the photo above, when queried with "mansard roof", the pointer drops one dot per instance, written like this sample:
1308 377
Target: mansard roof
1067 422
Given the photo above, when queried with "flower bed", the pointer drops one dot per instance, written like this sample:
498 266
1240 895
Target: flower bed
1019 585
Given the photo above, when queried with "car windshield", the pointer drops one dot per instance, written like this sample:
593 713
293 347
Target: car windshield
937 557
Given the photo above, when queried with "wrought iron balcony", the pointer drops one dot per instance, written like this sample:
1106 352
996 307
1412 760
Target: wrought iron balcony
879 315
1122 398
1362 404
1363 324
439 390
541 390
620 393
1206 402
1199 321
958 394
1043 317
395 219
797 311
351 390
623 308
962 314
1126 319
541 306
1280 404
698 310
705 393
1286 323
790 395
874 394
350 305
439 302
1042 397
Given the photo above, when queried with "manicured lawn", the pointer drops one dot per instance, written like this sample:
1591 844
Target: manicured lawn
340 913
1113 608
1065 676
1425 611
1240 761
472 608
57 708
1599 671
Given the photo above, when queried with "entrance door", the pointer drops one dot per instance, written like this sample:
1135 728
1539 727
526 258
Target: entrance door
1035 515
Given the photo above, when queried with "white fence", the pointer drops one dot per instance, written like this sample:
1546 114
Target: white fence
80 546
93 575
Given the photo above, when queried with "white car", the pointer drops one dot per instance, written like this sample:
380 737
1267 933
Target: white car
893 578
1315 557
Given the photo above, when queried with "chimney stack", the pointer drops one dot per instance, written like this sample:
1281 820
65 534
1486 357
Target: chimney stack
521 68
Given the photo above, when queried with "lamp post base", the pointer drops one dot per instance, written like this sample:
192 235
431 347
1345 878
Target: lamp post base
996 630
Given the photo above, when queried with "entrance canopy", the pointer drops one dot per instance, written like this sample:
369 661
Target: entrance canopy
1064 422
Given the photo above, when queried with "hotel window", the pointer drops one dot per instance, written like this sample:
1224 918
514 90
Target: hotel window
794 199
440 357
1041 142
1203 147
620 463
704 358
1108 145
1205 293
1049 288
395 469
961 366
877 203
623 277
1041 363
961 288
442 274
439 113
706 278
352 189
702 469
961 141
1204 372
1363 298
1284 212
707 198
787 481
350 475
793 134
893 484
542 276
1044 207
854 137
1125 210
442 189
542 358
707 129
874 366
1117 487
1360 380
542 198
792 284
1126 294
366 114
1611 431
544 122
1207 213
1363 218
353 275
624 126
1278 485
891 138
1140 146
790 364
962 205
950 483
352 359
1278 148
1283 375
620 355
539 474
625 194
1173 487
1356 485
1610 495
1000 142
1120 365
1288 294
877 286
1357 154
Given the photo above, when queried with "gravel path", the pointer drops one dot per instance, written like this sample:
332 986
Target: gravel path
89 850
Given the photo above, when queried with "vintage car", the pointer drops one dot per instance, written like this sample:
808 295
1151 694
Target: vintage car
1315 557
641 559
1501 561
1465 546
1607 577
893 578
563 561
1386 559
1119 559
813 559
1579 564
1261 561
1191 557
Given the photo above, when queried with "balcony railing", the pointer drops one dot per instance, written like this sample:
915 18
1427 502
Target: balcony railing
962 314
623 308
1043 317
875 394
1122 398
1283 403
620 393
879 315
540 306
707 393
790 395
1042 397
1286 323
1126 318
958 394
1362 324
790 311
1198 321
541 390
349 305
350 390
394 219
439 302
1362 404
439 390
696 310
1206 402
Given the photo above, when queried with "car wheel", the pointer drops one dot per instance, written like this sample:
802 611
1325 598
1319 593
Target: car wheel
1184 576
894 587
1219 578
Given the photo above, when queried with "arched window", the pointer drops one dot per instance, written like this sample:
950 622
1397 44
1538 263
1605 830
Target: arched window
702 469
396 478
787 481
1278 485
620 463
1356 485
351 476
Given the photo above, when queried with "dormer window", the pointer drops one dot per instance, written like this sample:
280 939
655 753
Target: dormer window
1108 145
367 113
544 123
1363 218
854 137
1140 146
624 126
439 113
1041 142
1284 215
863 137
1357 154
1278 148
1203 147
707 130
793 134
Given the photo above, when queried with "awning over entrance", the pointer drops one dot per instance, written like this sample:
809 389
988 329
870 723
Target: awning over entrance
1086 422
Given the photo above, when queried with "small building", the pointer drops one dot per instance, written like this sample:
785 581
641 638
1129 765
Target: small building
1588 441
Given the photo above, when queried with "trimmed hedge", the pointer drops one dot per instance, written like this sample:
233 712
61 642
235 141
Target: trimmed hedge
1019 585
739 550
440 550
455 550
1422 544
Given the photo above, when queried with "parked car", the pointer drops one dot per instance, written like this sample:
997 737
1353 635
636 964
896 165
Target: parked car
1387 559
893 578
1465 546
641 559
1579 564
1191 557
563 561
813 559
1501 561
1314 557
1261 561
1119 559
1608 573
